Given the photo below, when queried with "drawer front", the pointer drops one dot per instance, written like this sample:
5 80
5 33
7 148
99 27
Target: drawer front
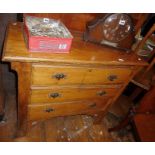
45 111
60 94
64 75
107 75
57 75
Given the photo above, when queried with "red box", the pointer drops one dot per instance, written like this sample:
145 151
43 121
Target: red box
46 43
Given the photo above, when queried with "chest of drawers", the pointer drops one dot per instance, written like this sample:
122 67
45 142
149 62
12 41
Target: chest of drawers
86 81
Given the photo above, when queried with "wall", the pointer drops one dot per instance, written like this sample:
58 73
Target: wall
8 77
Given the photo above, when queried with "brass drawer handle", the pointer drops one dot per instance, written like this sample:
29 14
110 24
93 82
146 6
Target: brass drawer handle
93 105
112 77
49 110
54 95
101 93
59 76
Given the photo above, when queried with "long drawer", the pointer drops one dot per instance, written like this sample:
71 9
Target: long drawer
45 111
43 75
60 94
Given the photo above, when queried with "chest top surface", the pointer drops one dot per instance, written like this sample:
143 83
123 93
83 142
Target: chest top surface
81 52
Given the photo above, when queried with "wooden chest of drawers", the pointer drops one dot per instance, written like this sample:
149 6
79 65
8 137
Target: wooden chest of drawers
86 81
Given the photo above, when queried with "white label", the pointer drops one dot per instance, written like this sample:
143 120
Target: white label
62 46
122 22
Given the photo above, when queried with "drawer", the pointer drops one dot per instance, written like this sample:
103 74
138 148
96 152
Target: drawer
57 94
43 75
107 75
45 111
57 75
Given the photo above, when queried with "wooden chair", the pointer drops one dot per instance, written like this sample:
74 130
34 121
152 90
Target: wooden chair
142 117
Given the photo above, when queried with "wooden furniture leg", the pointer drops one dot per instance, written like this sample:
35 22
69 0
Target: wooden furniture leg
23 70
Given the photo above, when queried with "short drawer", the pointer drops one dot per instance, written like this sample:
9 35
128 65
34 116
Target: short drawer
57 75
59 94
43 75
45 111
107 75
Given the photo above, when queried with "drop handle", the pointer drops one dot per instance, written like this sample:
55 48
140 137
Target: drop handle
59 76
112 77
54 95
49 110
101 93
